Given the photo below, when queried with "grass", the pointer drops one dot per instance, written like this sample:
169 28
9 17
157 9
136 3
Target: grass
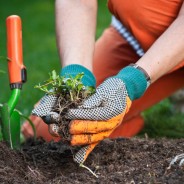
41 57
39 47
162 120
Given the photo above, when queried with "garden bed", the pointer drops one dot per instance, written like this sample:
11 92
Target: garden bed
126 161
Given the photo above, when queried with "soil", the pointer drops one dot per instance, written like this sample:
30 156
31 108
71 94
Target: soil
127 161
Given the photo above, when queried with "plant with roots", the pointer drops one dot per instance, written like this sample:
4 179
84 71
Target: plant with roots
70 92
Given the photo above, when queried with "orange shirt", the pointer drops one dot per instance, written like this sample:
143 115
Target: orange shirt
146 19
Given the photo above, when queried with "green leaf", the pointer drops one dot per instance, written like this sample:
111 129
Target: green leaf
54 75
79 87
79 76
30 122
63 85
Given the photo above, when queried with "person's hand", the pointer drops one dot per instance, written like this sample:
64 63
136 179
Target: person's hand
104 111
90 133
110 100
44 108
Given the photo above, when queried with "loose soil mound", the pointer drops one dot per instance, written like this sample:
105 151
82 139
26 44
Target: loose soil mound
127 161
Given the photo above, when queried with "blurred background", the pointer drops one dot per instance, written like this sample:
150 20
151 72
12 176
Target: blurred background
41 57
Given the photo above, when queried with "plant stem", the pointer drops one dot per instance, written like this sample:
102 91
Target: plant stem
71 95
82 165
46 84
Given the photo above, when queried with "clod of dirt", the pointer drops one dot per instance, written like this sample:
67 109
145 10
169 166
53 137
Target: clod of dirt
61 107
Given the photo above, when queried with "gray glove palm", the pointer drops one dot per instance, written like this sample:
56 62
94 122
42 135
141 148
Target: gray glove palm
45 109
108 101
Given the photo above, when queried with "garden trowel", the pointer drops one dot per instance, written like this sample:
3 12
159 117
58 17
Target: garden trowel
10 118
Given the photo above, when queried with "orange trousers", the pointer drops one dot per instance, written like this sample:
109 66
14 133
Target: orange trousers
112 53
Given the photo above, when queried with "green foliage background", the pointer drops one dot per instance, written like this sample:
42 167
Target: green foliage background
41 57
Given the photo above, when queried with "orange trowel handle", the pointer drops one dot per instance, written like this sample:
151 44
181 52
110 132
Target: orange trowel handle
17 71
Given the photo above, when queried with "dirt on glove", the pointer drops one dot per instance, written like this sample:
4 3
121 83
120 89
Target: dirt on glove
61 107
126 161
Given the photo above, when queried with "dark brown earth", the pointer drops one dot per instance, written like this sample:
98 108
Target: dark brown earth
127 161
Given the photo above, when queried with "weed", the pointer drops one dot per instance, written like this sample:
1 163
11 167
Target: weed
70 92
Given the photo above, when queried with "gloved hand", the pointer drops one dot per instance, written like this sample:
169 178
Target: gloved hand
104 111
108 105
45 107
90 133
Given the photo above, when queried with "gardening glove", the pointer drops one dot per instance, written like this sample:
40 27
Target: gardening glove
104 111
45 108
82 135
